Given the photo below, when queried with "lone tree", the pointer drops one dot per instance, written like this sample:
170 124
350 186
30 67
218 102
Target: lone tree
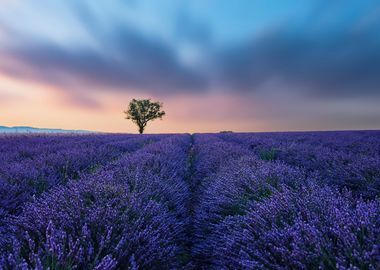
142 111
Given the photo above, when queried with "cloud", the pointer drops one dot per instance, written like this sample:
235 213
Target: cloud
318 59
327 64
130 61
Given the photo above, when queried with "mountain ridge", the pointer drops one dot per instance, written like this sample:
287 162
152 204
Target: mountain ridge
27 129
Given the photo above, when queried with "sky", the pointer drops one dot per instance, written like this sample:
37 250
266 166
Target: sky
242 65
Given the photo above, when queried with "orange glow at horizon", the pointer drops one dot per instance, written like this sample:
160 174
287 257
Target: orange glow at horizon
25 103
36 104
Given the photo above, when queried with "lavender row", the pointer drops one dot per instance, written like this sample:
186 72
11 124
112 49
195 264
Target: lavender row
356 142
342 159
16 148
212 154
24 179
130 214
257 214
208 201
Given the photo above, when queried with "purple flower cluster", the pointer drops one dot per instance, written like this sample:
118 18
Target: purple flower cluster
343 159
313 228
203 201
129 213
31 165
261 212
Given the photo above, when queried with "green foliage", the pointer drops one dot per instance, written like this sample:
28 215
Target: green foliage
268 154
142 111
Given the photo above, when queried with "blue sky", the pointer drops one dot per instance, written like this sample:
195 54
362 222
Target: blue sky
300 65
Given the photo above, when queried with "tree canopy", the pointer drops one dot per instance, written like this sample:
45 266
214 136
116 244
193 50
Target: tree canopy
141 111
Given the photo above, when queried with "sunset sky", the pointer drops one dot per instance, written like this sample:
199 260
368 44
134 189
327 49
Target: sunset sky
215 64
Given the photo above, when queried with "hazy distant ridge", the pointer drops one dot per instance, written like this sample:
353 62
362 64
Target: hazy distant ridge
23 129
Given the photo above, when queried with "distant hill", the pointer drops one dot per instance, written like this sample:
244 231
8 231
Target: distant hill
22 129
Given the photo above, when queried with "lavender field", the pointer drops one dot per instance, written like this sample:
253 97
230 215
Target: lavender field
203 201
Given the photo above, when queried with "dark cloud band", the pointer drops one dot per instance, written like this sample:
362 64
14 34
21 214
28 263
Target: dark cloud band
342 61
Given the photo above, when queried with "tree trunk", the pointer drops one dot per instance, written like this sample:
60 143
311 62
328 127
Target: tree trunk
141 129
